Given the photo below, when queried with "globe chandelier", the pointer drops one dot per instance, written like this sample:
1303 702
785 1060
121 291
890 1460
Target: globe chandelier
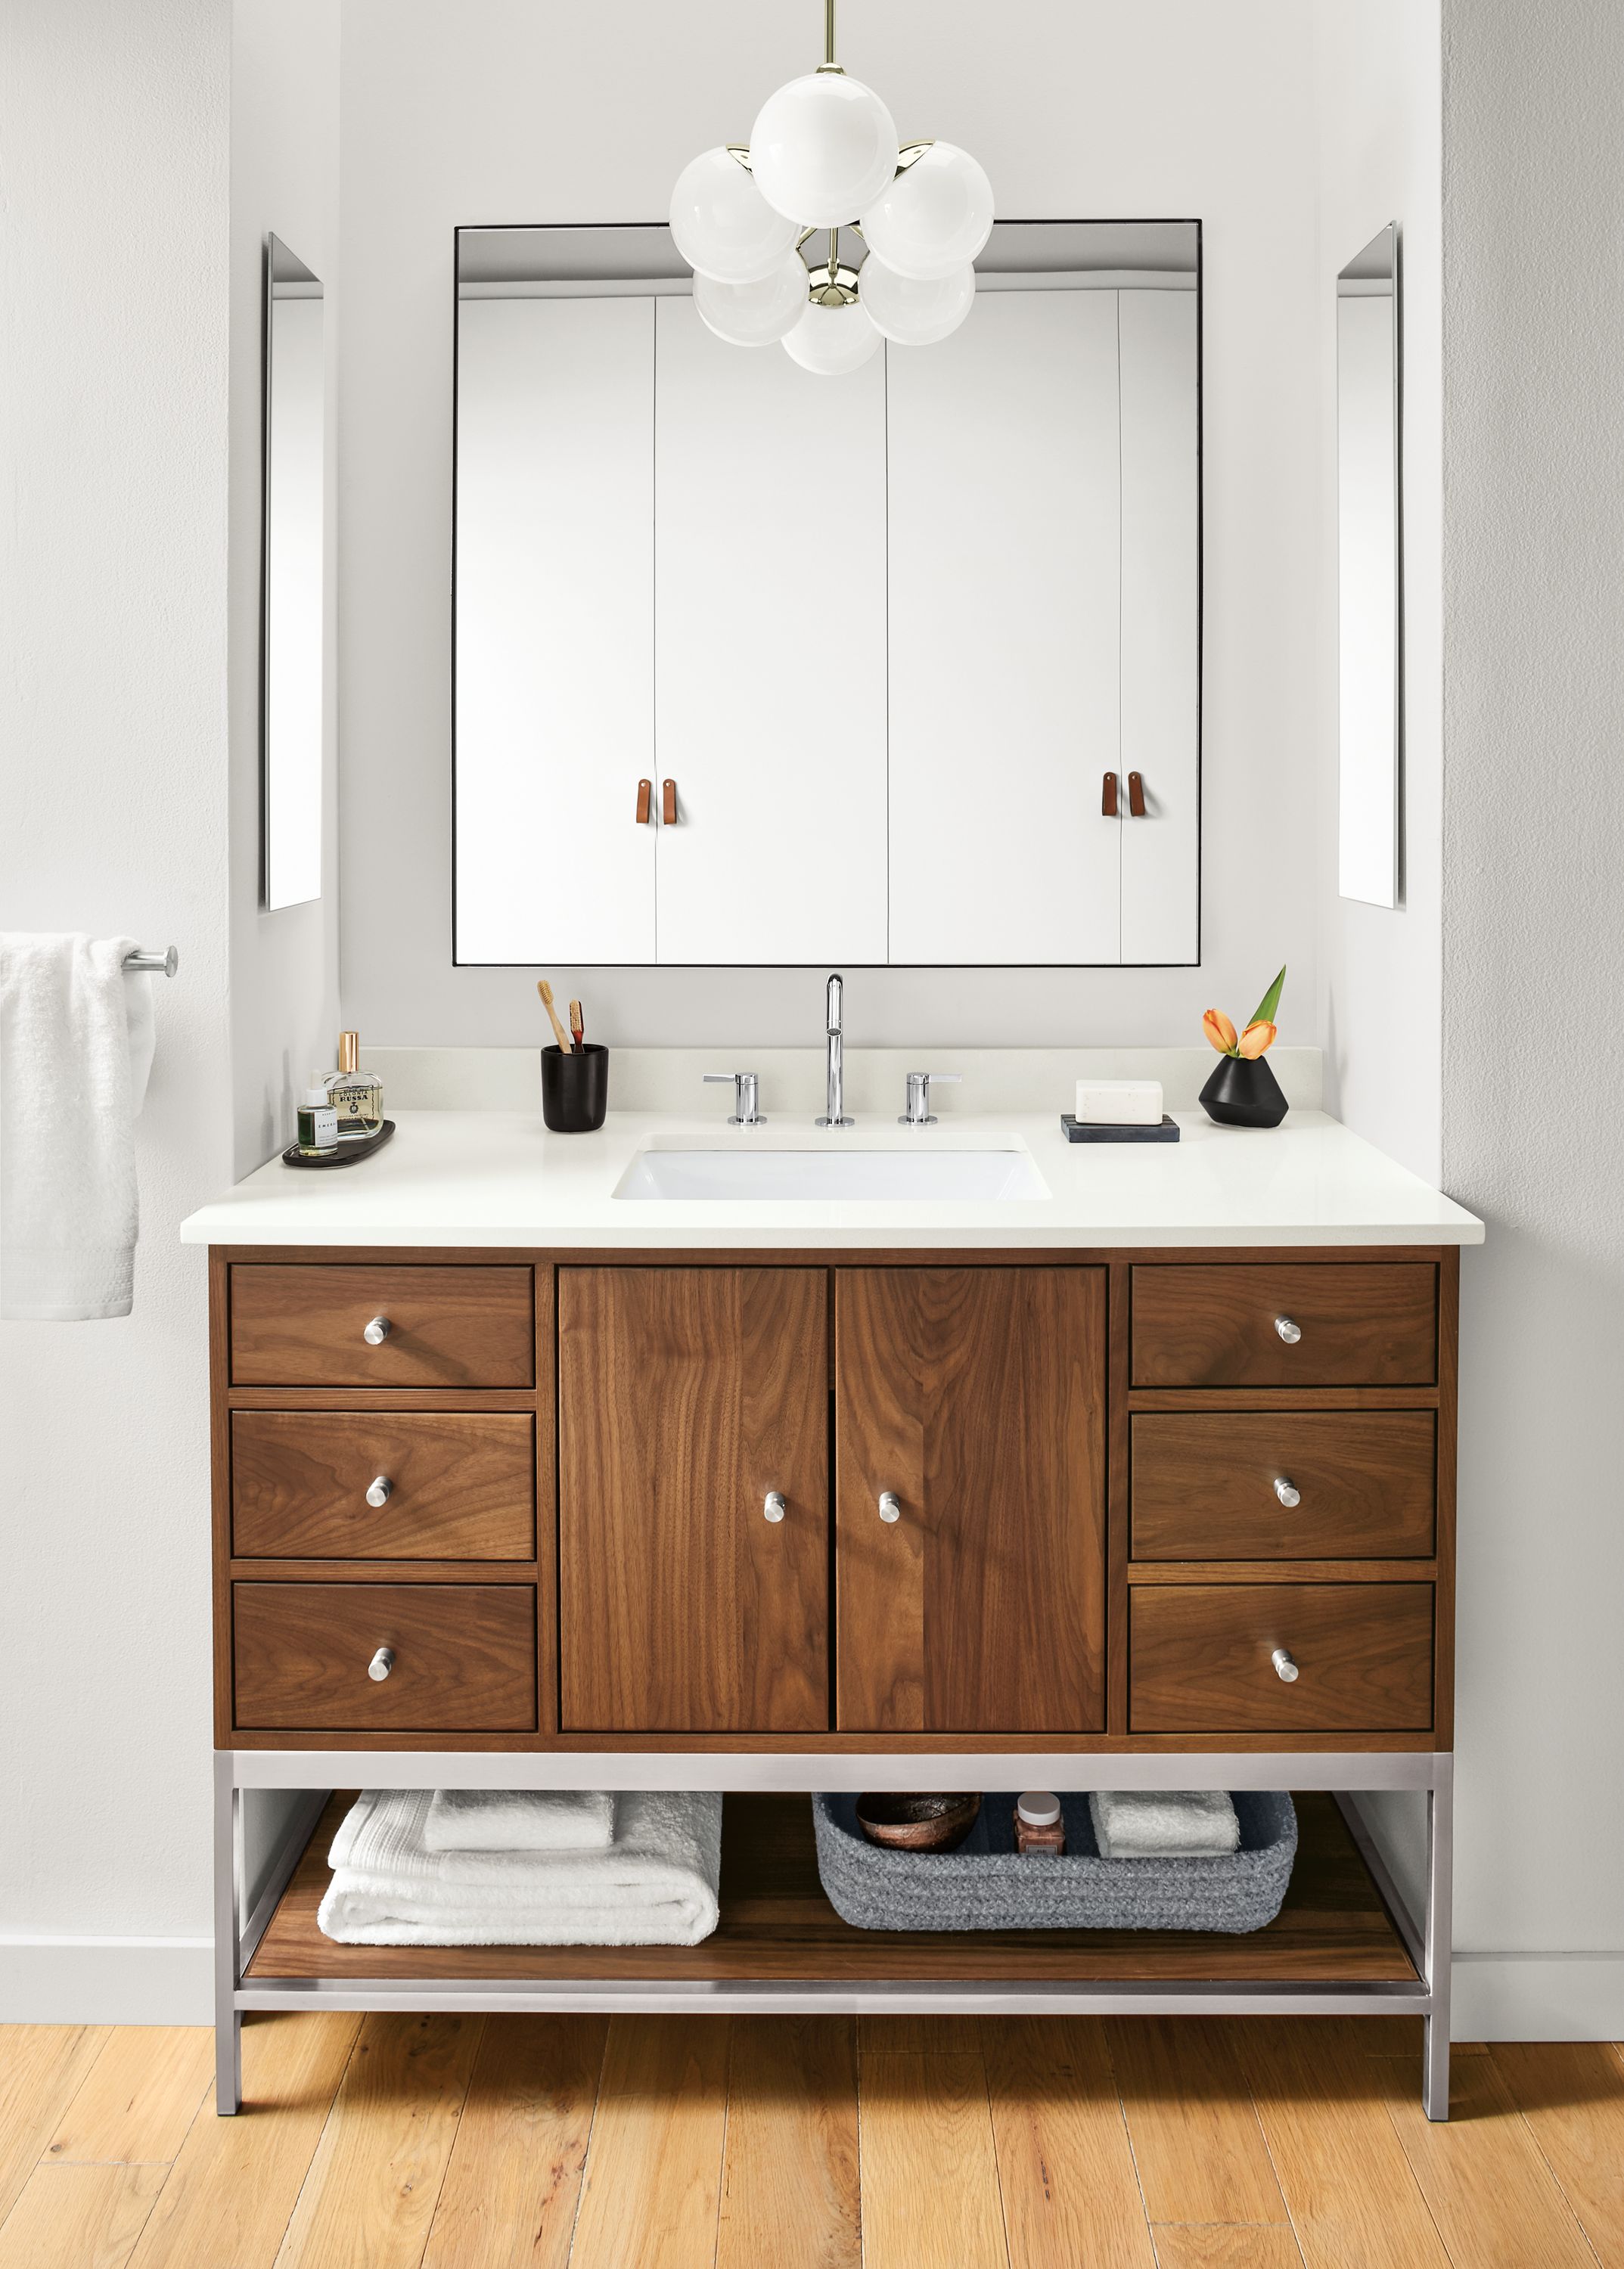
823 156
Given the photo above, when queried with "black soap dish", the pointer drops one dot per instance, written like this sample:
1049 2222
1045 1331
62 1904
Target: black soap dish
349 1151
1085 1130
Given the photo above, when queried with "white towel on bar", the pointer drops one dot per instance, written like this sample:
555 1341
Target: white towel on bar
76 1047
655 1885
519 1820
1145 1823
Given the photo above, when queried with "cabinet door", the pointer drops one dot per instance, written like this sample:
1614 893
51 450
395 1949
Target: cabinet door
554 630
686 1395
976 1396
1004 483
1161 624
770 651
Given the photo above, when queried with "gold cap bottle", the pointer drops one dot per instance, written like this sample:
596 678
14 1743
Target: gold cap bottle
356 1096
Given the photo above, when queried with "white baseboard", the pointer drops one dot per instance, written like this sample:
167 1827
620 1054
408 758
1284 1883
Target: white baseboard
106 1981
1538 1997
170 1981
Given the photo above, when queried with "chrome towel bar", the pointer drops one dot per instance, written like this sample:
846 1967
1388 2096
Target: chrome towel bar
167 962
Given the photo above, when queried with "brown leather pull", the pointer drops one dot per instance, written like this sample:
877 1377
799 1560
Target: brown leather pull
1136 795
1108 799
667 805
645 802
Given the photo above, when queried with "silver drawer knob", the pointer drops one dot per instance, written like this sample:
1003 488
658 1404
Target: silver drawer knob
381 1489
890 1508
1284 1666
383 1662
773 1508
1289 1332
1288 1494
377 1331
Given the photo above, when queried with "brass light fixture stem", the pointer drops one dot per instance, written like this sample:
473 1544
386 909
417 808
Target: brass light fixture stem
829 35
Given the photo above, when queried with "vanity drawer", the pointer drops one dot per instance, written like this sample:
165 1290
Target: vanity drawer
462 1485
1207 1485
1232 1326
1201 1657
464 1657
446 1326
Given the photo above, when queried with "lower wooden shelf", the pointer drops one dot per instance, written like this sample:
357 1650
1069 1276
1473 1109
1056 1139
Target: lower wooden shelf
776 1925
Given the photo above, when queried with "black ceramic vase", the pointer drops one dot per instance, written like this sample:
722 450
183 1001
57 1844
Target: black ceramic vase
1244 1092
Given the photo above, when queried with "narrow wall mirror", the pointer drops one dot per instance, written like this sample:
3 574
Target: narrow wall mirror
1368 575
292 658
759 667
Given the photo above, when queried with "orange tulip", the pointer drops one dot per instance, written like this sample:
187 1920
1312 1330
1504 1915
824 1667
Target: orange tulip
1219 1031
1255 1039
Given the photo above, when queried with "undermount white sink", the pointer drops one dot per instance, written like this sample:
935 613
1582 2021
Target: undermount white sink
771 1176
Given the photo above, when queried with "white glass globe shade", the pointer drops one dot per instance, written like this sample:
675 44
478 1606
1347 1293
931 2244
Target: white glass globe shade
934 218
755 314
914 314
722 225
822 149
832 340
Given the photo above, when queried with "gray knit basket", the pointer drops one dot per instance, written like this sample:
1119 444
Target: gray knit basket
986 1884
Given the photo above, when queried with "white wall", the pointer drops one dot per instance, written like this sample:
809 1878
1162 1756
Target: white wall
1534 906
283 178
113 817
496 110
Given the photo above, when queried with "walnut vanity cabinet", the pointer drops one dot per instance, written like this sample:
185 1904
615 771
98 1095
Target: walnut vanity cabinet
780 1521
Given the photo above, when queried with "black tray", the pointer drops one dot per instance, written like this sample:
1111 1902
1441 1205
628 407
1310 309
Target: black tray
350 1149
1080 1130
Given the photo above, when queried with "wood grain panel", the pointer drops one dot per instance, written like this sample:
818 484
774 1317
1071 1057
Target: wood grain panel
448 1326
775 1922
1201 1656
789 2173
685 1396
1571 2093
463 1487
979 1397
83 2217
1203 1485
464 1656
43 2070
1213 1324
140 2095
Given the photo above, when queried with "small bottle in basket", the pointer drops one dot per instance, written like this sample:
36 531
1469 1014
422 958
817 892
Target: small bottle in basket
1039 1826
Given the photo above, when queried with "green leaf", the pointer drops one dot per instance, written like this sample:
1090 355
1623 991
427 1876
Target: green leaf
1264 1014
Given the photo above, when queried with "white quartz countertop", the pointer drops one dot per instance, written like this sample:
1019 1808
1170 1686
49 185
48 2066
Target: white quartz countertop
492 1178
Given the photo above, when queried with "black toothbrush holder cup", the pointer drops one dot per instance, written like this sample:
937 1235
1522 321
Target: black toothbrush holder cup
575 1088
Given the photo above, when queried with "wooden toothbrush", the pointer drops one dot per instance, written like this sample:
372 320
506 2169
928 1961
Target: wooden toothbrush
559 1032
577 1029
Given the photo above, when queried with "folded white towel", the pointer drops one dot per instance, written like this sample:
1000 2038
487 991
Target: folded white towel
76 1047
1141 1823
519 1820
655 1885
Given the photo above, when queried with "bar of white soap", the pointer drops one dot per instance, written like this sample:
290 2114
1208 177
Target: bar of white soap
1119 1102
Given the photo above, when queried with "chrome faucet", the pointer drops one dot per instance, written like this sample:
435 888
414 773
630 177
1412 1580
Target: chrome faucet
834 1110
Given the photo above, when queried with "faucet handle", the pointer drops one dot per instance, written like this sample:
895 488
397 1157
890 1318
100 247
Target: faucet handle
919 1112
746 1096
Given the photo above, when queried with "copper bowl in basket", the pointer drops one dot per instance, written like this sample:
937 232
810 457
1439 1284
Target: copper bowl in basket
916 1823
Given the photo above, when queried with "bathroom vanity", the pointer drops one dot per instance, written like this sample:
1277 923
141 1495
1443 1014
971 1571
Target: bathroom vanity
524 1475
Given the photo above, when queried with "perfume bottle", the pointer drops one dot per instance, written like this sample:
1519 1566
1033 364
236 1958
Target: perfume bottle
317 1120
355 1094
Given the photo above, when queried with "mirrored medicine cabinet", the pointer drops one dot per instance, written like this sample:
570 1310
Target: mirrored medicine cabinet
292 630
757 666
1369 593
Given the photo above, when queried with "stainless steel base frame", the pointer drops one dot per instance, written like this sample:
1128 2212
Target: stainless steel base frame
1346 1774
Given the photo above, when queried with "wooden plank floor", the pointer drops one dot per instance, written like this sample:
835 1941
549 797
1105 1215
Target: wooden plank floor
777 1923
644 2142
